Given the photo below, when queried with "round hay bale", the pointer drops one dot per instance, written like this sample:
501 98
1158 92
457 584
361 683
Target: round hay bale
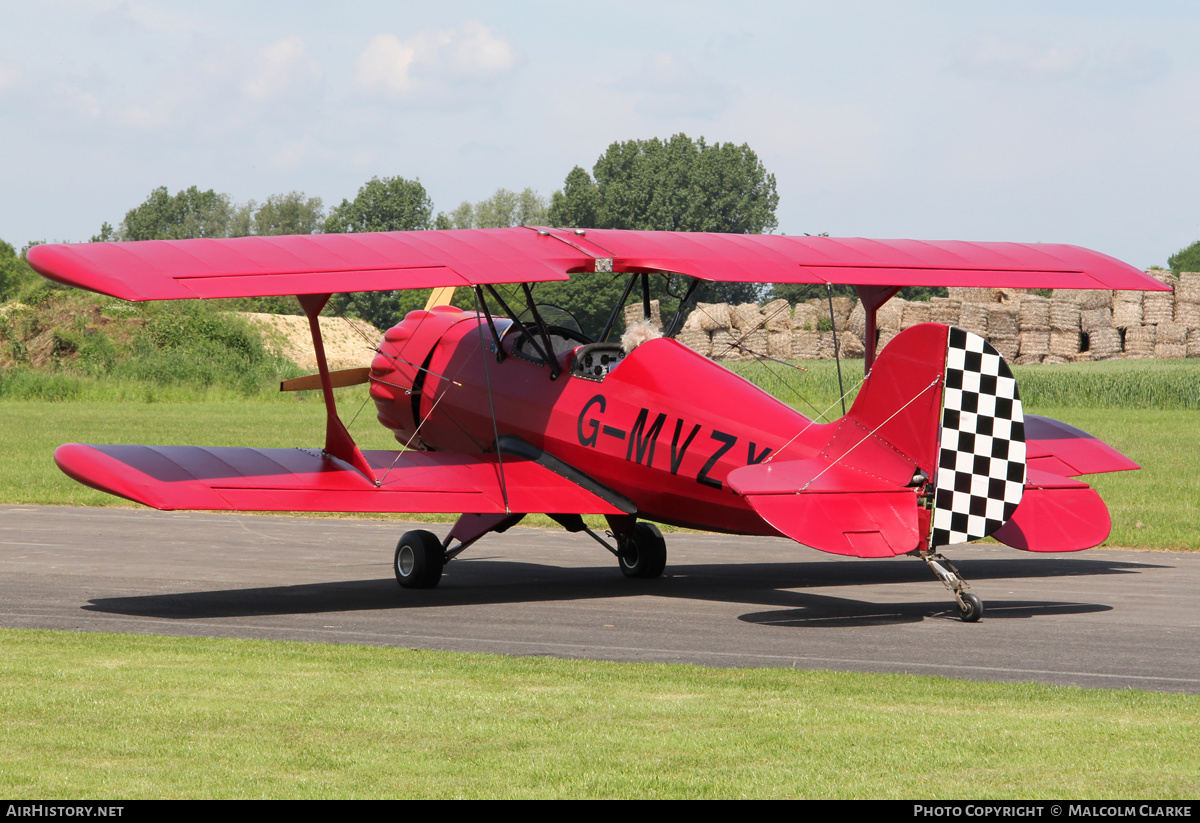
890 314
850 347
777 315
747 317
806 318
856 324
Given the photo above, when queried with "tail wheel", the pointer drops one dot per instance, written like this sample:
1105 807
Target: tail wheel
644 552
970 607
419 560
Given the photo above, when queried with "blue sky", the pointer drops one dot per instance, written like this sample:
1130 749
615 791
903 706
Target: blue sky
1073 122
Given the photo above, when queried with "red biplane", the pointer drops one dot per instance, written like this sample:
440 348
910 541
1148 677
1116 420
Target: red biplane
506 410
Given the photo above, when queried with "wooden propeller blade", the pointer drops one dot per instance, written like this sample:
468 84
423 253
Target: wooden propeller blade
340 378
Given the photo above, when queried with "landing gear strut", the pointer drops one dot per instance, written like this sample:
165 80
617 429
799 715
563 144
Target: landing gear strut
970 607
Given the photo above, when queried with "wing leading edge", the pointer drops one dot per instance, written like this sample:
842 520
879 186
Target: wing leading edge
247 479
324 263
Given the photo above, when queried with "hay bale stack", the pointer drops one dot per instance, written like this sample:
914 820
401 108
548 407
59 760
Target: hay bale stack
1158 307
1170 351
779 344
1084 298
885 337
967 295
722 345
916 312
1035 343
1064 315
1104 343
1127 309
1193 344
1188 314
974 318
1053 359
697 340
1004 321
777 315
806 317
1034 313
1171 334
1064 344
1093 320
1187 290
945 310
850 347
1024 359
1009 347
889 315
842 306
755 344
806 344
714 316
746 317
856 324
1139 342
633 314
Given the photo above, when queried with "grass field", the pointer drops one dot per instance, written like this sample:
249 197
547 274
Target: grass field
107 716
118 716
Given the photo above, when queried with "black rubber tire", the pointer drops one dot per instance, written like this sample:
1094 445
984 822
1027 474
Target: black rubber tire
644 553
971 608
419 560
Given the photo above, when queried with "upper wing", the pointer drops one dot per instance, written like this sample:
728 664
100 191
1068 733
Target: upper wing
245 479
324 263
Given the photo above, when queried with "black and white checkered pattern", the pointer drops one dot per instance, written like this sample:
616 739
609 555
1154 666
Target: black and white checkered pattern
981 464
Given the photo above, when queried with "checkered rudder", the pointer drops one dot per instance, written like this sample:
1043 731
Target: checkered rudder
981 460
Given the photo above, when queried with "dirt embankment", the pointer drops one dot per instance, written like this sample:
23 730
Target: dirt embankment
347 344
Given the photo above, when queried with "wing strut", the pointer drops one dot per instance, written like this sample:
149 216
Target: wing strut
872 298
338 442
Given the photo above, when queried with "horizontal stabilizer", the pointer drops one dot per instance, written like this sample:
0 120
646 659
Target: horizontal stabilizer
1056 447
1056 515
831 507
246 479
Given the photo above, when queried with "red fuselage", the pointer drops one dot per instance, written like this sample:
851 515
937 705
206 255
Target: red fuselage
664 426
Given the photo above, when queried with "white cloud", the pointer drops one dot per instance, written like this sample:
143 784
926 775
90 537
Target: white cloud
280 67
10 75
667 86
432 58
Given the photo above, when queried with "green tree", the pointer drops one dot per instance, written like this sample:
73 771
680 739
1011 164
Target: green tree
189 213
503 209
678 184
390 204
672 185
1187 259
290 213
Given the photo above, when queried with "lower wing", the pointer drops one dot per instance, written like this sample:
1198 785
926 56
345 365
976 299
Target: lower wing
247 479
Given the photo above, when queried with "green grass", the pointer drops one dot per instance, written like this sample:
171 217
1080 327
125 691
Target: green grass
119 716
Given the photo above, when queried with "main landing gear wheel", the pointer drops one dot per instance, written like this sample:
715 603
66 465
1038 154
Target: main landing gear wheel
419 560
644 552
970 607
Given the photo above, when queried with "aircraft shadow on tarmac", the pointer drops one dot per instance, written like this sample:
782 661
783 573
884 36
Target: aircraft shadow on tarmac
486 581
